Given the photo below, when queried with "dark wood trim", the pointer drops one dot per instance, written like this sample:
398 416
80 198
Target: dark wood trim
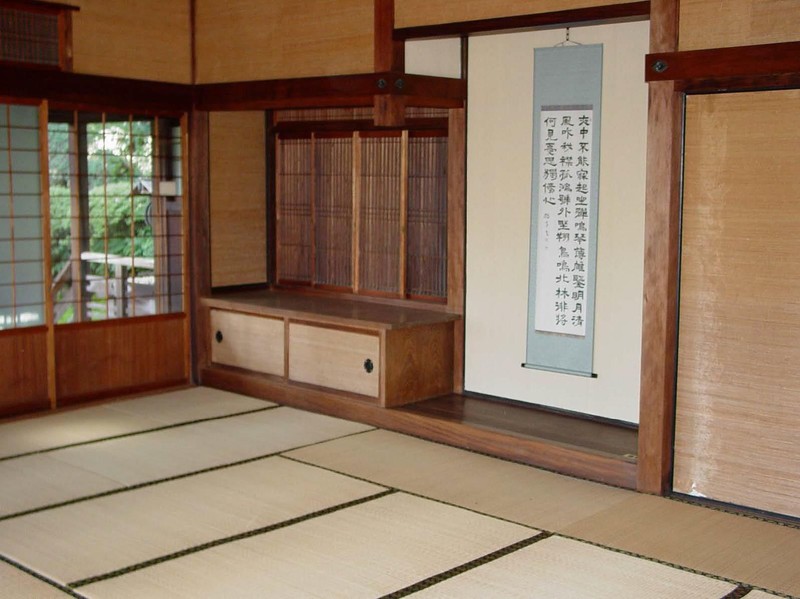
614 13
36 6
22 331
546 454
412 125
65 40
662 242
119 322
739 84
342 90
765 60
199 238
95 91
389 53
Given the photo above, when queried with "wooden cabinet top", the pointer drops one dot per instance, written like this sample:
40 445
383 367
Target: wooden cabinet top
326 310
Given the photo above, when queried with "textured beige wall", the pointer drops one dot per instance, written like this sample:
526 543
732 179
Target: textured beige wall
139 39
240 40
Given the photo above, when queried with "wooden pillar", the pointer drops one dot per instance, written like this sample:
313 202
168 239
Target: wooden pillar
199 238
390 107
662 241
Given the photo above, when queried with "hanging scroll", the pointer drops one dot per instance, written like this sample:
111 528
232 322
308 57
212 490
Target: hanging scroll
564 200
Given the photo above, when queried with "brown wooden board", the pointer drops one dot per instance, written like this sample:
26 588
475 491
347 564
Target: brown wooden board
23 370
119 356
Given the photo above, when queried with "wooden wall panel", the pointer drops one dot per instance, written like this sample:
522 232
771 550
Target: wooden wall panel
23 371
738 400
138 39
240 40
414 13
727 23
119 356
238 198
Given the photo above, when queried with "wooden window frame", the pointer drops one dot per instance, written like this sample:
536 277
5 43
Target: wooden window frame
63 12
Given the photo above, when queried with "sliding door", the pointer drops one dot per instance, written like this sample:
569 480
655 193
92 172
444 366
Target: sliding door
737 436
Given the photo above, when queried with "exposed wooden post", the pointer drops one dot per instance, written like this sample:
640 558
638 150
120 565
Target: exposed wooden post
662 218
389 53
199 237
390 107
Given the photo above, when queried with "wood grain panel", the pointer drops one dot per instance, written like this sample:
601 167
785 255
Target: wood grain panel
333 358
727 23
738 417
237 166
414 13
23 371
118 356
418 363
140 39
251 342
282 38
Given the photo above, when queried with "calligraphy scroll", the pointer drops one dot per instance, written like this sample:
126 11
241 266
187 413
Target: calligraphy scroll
564 202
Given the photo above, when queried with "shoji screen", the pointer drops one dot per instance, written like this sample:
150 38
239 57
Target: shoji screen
738 402
21 249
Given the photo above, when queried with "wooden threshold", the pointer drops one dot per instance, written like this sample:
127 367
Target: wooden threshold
434 421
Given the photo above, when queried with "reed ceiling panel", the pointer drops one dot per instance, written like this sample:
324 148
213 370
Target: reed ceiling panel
240 40
238 198
729 23
138 39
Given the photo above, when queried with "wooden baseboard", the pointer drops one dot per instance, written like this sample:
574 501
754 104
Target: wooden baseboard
541 453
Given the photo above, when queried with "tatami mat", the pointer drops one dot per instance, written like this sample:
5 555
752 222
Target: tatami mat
567 569
527 495
96 537
39 480
362 551
744 549
163 454
120 418
16 584
759 595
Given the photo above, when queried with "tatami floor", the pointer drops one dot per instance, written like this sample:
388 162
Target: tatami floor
202 493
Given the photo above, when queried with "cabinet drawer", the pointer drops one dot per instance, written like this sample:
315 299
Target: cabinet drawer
333 358
251 342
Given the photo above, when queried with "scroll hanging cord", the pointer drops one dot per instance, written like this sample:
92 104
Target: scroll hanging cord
567 41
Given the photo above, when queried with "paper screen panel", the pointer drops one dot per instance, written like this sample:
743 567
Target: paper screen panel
21 245
738 412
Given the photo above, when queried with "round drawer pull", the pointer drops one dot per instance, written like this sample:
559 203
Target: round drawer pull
369 366
218 336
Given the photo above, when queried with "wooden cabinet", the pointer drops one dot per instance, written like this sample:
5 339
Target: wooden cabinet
392 355
343 360
247 341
